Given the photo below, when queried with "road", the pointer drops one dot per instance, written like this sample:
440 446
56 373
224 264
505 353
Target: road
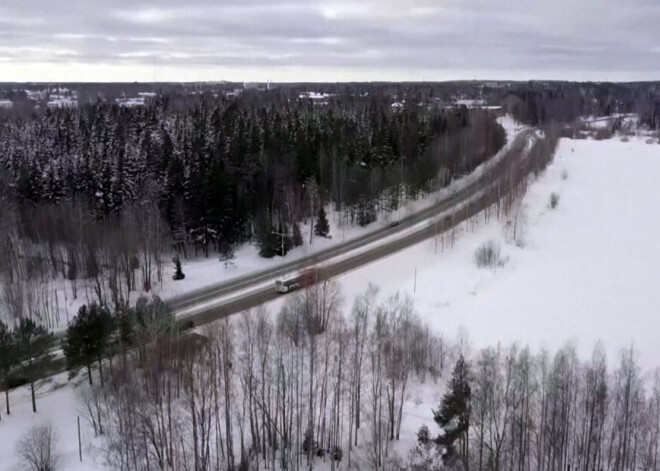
447 213
223 299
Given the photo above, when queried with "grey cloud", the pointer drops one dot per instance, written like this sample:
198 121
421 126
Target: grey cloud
384 39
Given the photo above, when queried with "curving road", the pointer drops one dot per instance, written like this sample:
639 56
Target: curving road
207 305
481 190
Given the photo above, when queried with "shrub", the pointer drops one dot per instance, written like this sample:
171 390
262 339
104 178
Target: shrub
307 442
603 133
227 255
564 174
322 226
625 139
36 449
554 200
178 273
337 454
488 255
423 435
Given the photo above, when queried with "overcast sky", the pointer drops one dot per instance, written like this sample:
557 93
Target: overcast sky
304 40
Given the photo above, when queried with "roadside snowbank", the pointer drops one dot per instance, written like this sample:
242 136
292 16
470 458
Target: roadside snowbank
587 271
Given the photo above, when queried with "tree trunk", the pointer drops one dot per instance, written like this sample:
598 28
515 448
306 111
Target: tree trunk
101 370
34 401
310 455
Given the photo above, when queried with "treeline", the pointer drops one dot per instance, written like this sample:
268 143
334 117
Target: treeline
320 385
534 102
227 171
312 385
101 196
95 336
53 255
542 103
508 409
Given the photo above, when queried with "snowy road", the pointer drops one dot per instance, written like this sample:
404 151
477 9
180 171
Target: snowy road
215 302
484 186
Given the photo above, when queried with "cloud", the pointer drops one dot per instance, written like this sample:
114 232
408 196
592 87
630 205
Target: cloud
328 40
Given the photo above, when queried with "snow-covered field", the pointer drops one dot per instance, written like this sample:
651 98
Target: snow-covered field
57 405
587 271
582 272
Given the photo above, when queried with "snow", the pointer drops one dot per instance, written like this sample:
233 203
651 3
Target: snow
36 95
315 95
58 406
581 272
58 101
470 103
130 102
585 271
202 272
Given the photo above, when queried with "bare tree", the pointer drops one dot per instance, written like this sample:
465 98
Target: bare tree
37 449
363 307
628 395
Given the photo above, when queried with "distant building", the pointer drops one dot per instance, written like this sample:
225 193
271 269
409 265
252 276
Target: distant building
471 103
316 97
233 93
37 95
6 104
130 102
61 101
479 104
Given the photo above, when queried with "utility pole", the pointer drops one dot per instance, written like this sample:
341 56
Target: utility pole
79 442
401 190
282 236
415 283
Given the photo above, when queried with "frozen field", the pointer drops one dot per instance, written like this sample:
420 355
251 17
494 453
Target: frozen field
587 271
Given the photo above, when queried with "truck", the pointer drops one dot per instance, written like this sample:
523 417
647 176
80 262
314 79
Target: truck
292 281
287 283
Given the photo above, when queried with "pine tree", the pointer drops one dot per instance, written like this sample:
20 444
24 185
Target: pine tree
178 273
88 339
7 359
32 342
148 321
268 242
297 235
454 414
322 227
